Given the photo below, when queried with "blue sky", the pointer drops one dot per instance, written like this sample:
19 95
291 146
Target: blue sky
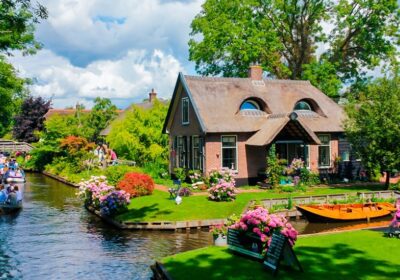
116 49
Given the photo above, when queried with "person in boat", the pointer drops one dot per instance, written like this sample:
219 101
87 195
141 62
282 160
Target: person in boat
3 194
12 197
19 173
18 193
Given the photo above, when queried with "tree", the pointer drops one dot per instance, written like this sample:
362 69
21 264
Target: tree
30 120
284 35
139 135
103 112
17 20
373 126
12 93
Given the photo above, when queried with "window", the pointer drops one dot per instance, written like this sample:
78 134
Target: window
229 152
181 152
292 150
324 151
196 152
302 106
250 105
185 110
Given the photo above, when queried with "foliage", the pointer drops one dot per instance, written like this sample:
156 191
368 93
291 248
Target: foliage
96 193
263 224
218 230
30 120
225 174
92 190
78 152
373 127
222 191
180 174
185 191
308 177
284 35
12 92
102 113
136 184
115 173
275 166
114 203
139 135
195 176
42 155
157 170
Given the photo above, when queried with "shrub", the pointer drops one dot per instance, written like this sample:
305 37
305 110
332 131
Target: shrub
136 184
263 224
185 192
226 174
93 189
223 191
287 189
195 176
115 173
114 203
180 174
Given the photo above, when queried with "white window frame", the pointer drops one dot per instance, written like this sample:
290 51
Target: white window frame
330 152
237 152
185 100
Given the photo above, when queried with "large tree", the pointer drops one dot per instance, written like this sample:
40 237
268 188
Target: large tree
30 120
328 42
103 112
17 20
373 126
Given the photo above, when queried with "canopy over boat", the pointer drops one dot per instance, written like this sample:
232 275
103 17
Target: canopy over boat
345 212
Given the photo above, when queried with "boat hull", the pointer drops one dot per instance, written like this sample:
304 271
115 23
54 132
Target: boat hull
345 212
7 209
15 180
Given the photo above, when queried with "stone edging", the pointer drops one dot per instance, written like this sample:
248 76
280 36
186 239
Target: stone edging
61 179
159 272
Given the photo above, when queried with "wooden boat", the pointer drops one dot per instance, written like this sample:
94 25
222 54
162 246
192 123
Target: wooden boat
10 208
346 212
15 179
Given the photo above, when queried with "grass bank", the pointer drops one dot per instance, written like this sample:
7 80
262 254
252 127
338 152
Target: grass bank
159 207
364 254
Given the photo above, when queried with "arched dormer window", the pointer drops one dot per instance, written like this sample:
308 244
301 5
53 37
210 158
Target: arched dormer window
302 106
250 105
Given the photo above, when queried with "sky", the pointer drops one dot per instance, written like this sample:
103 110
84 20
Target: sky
109 48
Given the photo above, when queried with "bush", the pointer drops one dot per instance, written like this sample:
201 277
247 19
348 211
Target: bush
136 184
115 173
185 192
114 203
263 224
223 191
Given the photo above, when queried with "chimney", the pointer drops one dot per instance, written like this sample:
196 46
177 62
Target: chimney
152 95
255 71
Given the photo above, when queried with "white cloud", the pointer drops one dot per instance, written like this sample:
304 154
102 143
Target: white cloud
129 78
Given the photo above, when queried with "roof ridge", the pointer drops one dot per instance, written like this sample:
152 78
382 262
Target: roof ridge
227 79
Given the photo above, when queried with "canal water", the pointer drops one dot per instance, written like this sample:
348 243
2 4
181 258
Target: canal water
54 237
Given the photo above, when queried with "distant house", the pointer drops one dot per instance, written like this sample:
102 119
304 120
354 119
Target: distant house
64 112
216 123
146 104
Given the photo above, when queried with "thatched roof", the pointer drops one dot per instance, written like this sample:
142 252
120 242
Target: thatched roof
217 101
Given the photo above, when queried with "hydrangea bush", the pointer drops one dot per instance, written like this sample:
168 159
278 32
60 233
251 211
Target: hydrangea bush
263 224
222 191
114 203
96 193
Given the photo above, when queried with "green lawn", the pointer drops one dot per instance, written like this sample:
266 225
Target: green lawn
362 254
158 206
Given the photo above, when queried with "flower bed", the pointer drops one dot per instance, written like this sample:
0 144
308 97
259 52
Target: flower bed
96 193
223 191
263 224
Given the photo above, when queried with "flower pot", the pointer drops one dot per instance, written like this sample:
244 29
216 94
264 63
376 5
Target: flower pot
220 240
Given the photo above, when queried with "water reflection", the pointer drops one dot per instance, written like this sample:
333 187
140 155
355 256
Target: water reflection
53 237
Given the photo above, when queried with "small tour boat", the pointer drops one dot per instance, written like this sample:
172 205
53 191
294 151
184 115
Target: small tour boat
10 208
15 179
346 212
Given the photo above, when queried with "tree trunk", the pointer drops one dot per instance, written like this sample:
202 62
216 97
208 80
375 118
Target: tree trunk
387 181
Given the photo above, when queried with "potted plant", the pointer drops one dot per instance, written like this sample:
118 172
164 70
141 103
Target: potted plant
219 235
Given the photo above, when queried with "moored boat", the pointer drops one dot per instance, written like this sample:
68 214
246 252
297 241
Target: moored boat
346 212
15 179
